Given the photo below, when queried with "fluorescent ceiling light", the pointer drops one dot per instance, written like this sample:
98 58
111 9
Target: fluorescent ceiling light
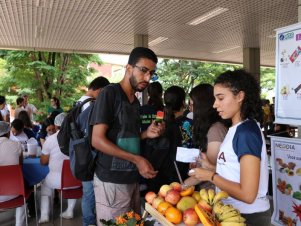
207 16
157 41
224 50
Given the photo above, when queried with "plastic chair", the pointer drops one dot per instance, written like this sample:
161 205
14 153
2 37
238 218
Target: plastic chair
12 177
71 188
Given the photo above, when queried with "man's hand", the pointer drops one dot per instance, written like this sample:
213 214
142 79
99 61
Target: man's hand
154 130
146 170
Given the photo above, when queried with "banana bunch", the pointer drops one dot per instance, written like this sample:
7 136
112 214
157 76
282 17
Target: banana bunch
227 215
211 198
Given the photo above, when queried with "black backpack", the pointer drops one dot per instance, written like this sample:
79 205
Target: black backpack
82 154
69 128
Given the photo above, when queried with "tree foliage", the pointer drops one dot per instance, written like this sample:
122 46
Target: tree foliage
188 74
46 74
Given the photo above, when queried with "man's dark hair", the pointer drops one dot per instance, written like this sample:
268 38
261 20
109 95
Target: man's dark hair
20 100
98 83
17 124
2 99
142 52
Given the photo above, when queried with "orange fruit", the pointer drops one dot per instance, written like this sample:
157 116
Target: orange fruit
187 191
163 206
173 215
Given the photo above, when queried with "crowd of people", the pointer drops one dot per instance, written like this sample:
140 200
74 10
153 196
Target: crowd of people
132 149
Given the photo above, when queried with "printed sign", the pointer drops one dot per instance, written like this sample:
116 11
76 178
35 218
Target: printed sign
286 171
288 75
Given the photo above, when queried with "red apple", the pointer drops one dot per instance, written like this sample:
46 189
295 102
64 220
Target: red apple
149 196
164 189
176 186
190 218
173 197
157 201
205 205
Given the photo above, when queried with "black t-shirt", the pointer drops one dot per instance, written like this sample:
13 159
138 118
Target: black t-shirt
162 152
113 108
148 113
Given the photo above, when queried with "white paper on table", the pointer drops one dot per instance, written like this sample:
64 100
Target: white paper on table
187 154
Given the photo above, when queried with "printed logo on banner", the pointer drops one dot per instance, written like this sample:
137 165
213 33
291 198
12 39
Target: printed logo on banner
285 147
298 37
286 36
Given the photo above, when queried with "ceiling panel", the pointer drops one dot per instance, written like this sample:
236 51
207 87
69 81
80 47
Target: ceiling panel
95 26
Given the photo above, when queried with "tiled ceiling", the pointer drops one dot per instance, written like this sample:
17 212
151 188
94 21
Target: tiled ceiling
109 26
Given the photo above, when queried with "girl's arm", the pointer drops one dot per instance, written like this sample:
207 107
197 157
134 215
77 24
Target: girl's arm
245 191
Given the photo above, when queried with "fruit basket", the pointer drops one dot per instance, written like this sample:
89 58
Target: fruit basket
159 217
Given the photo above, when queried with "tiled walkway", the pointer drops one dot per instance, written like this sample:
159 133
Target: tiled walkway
7 218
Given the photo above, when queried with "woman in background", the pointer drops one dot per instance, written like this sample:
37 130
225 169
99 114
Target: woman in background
178 133
208 129
55 106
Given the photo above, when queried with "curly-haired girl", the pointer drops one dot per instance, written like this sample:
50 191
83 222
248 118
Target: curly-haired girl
241 168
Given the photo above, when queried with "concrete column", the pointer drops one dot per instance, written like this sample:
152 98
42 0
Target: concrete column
251 61
142 41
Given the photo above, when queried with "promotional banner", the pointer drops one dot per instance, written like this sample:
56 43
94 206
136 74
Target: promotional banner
288 75
286 174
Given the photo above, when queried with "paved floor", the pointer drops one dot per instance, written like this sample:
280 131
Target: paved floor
7 218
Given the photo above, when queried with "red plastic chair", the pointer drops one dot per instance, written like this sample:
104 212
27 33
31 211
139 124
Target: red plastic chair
71 188
12 183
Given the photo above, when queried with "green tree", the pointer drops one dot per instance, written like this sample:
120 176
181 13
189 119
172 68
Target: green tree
46 74
267 81
188 74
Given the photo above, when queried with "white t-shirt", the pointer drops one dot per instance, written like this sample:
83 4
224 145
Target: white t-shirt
21 138
83 98
56 158
244 138
10 152
5 111
31 109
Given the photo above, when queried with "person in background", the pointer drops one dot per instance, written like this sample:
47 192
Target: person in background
30 129
30 108
47 129
155 103
55 106
4 110
11 154
178 133
17 133
148 113
88 199
209 130
242 163
53 157
267 117
116 135
20 106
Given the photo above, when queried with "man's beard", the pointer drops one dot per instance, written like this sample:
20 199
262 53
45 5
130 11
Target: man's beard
135 84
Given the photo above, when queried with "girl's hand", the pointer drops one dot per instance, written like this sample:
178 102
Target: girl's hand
204 162
201 174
